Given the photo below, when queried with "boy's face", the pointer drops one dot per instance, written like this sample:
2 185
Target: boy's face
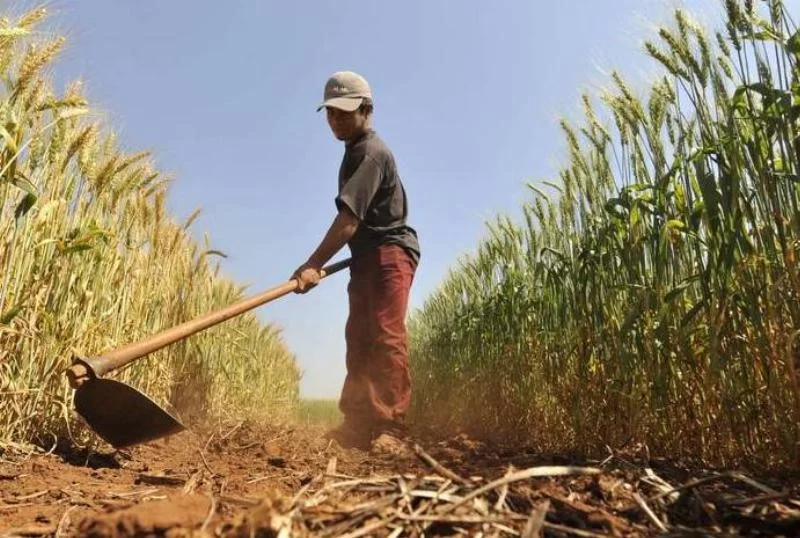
346 125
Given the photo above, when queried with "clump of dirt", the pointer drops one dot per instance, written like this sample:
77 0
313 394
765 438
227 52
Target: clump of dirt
157 518
264 520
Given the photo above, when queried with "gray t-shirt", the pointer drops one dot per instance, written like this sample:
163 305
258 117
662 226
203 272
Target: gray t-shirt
370 187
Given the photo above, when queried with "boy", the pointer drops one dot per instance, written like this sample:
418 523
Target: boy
372 220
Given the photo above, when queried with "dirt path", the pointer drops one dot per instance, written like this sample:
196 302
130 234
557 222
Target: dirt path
241 481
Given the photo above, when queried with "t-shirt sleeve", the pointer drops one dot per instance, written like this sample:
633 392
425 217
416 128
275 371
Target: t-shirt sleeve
360 188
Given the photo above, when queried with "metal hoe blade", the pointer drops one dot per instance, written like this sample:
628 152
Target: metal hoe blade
122 415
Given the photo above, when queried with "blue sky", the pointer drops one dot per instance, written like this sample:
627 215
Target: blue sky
467 94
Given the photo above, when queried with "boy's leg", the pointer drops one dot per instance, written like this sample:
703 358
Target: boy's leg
354 401
390 379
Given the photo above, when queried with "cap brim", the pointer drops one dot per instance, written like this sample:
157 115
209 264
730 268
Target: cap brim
348 104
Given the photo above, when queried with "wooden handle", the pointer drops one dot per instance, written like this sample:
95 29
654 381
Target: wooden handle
107 362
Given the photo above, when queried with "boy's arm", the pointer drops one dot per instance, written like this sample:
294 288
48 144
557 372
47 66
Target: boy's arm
341 230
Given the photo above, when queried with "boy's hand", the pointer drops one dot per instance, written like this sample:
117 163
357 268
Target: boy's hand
307 278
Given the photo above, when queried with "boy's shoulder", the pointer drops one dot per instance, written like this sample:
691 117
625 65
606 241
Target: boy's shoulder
375 147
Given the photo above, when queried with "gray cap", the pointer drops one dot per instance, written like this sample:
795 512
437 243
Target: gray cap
346 91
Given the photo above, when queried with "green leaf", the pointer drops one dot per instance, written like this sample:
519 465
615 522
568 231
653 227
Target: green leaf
553 185
616 207
79 247
638 187
677 290
663 181
793 43
765 36
693 312
10 142
559 255
22 182
766 33
214 252
537 190
24 206
6 318
711 198
636 213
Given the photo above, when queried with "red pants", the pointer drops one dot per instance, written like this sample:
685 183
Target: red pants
377 388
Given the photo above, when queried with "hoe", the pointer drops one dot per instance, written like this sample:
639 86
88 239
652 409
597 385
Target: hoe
120 414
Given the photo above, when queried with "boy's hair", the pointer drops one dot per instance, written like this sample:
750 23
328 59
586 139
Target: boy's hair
367 107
